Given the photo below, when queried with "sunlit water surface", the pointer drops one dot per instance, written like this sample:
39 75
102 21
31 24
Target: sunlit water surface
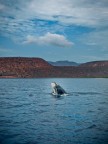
29 114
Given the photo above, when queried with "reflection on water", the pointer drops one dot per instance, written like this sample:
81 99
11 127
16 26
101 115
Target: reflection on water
29 114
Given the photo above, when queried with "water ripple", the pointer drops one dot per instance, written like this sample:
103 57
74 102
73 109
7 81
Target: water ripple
30 114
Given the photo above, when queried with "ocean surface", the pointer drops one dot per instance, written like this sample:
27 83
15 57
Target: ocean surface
30 114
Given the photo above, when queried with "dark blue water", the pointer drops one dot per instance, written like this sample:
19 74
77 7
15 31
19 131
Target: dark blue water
29 114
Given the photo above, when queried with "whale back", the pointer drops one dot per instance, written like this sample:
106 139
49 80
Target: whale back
57 89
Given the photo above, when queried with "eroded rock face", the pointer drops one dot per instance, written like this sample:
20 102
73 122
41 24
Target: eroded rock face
96 64
21 67
23 62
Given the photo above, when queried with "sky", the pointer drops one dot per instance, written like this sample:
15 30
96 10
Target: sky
73 30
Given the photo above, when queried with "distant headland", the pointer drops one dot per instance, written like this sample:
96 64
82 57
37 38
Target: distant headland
23 67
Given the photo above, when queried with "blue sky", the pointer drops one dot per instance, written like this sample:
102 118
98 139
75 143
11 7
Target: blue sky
74 30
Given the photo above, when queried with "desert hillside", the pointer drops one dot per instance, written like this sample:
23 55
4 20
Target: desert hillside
19 67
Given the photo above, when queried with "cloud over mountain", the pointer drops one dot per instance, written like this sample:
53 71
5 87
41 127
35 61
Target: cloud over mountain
49 39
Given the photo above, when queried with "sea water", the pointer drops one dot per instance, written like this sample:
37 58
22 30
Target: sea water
29 114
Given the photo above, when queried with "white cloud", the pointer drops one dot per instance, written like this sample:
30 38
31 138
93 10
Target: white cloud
16 16
83 12
49 39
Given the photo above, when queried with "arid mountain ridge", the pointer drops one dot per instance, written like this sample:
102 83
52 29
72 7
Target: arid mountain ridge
63 63
22 67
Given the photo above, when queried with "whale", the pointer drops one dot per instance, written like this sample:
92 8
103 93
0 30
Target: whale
57 89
